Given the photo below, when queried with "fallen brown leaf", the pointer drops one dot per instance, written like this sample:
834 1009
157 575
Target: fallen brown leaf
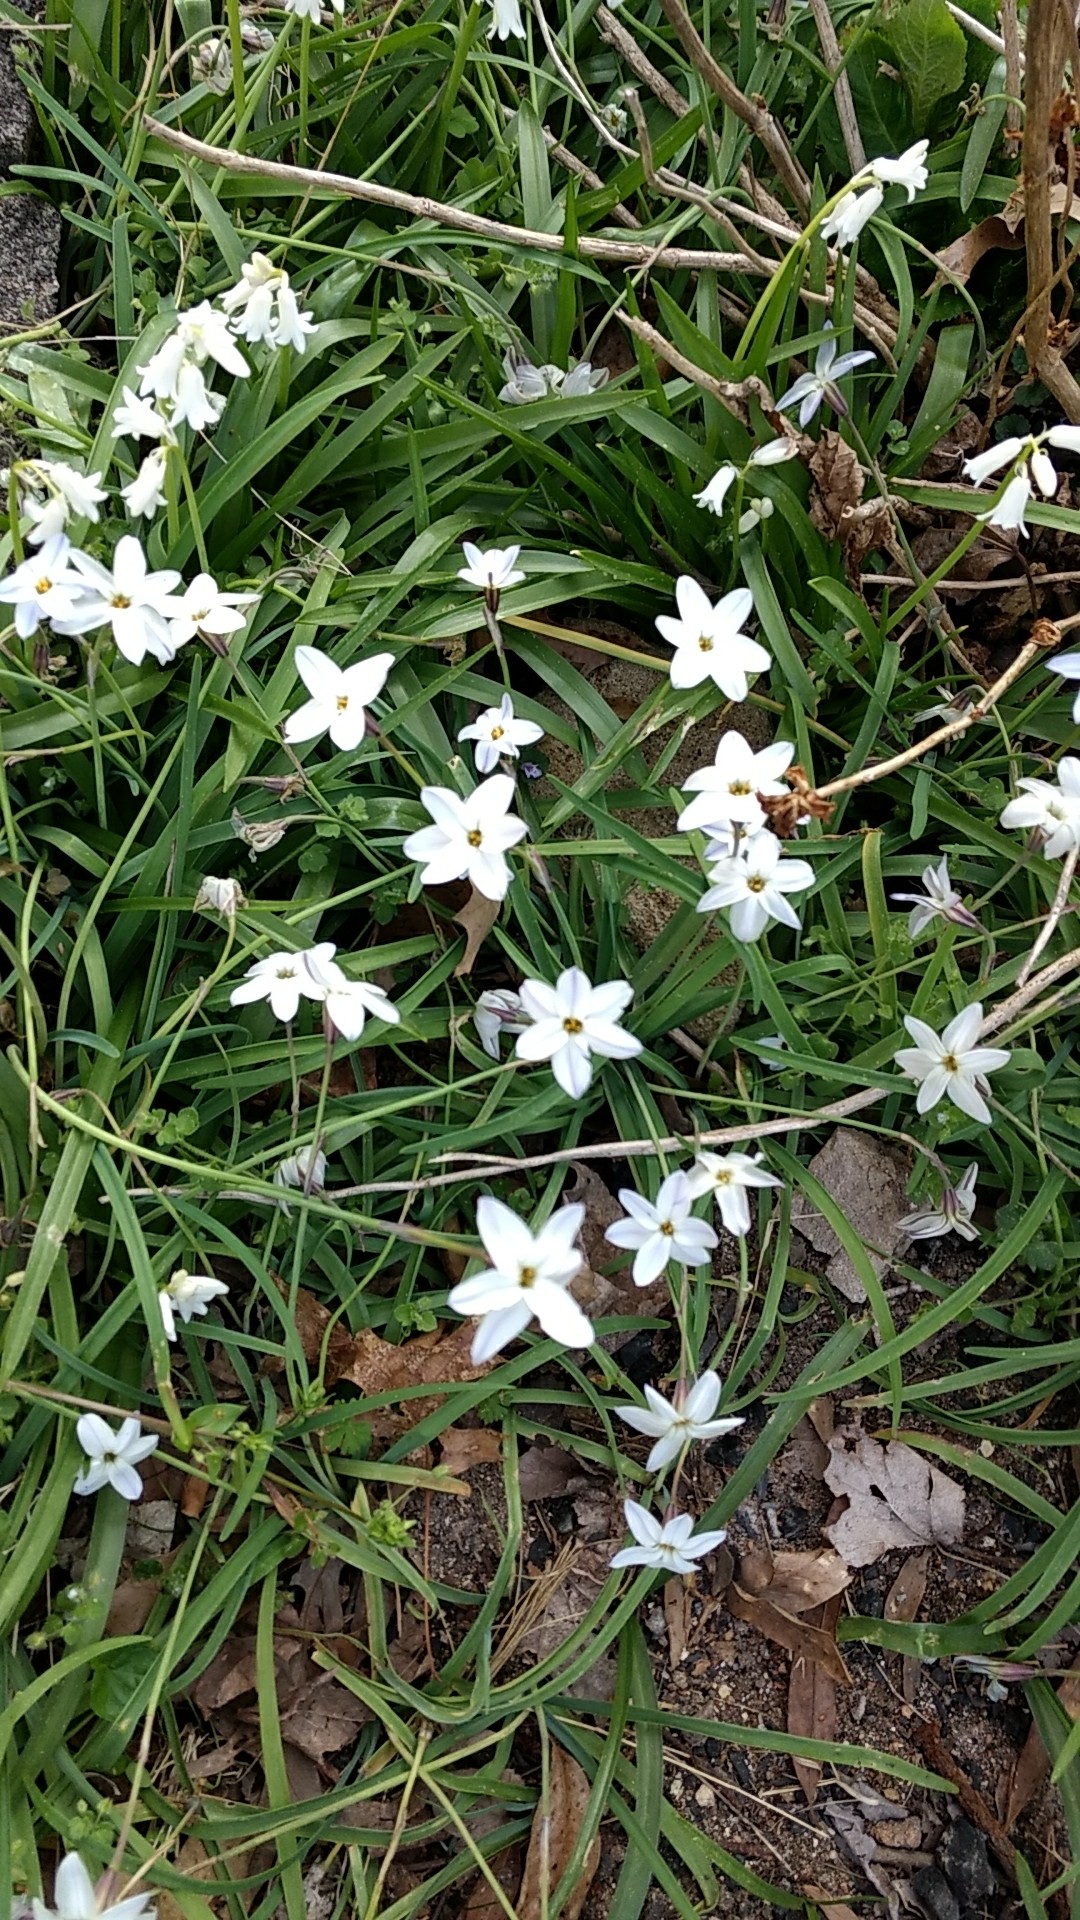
544 1471
465 1447
552 1840
1033 1764
961 257
676 1604
794 1581
902 1602
831 1908
811 1708
476 919
896 1498
802 1641
839 482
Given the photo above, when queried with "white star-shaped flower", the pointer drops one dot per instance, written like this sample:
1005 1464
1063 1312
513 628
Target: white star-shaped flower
1053 811
662 1230
137 604
347 1003
728 790
187 1294
470 838
111 1458
673 1424
907 170
573 1020
708 641
727 1176
670 1546
951 1064
209 611
145 495
490 569
529 1278
136 418
42 587
339 697
755 882
282 978
498 732
951 1215
811 389
940 902
75 1897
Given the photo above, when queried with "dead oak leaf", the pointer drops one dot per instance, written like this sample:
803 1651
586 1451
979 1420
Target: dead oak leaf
466 1447
476 919
839 483
896 1498
553 1838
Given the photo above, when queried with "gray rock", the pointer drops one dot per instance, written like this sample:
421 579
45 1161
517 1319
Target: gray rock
967 1864
934 1894
18 125
29 248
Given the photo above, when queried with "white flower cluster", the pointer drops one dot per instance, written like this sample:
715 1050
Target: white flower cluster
566 1023
863 197
749 871
525 383
1030 467
713 496
670 1545
284 979
77 594
664 1230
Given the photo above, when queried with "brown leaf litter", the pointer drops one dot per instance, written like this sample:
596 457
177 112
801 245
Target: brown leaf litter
896 1498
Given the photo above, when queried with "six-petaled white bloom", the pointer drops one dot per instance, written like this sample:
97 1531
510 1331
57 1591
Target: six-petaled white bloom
755 882
713 495
573 1020
490 568
75 1898
282 978
908 170
506 20
470 838
208 611
951 1215
1068 665
145 495
1053 811
952 1063
137 604
187 1294
42 587
136 418
727 1176
709 642
347 1003
671 1546
111 1458
67 492
529 1278
497 1012
662 1230
498 731
810 389
219 896
673 1424
339 697
850 215
728 790
940 902
311 9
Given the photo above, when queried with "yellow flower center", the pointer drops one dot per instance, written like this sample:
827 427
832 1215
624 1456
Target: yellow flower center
120 600
43 585
756 883
475 838
950 1063
668 1227
526 1276
723 1178
705 643
572 1026
740 786
497 733
342 702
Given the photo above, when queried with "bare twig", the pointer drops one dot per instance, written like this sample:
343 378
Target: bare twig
735 395
1043 80
975 27
750 112
845 105
1058 906
420 207
591 178
1014 64
1045 635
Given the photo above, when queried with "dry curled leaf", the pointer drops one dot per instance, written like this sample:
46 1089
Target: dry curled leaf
839 483
1034 1763
803 1642
896 1498
476 919
552 1840
902 1602
467 1447
546 1471
794 1581
811 1708
868 1181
